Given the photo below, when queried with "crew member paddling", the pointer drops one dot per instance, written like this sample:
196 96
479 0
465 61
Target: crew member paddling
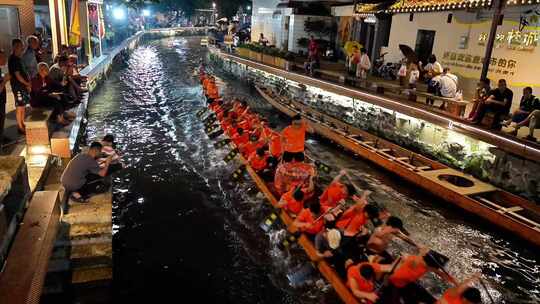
407 273
308 220
336 192
462 293
382 236
294 136
361 280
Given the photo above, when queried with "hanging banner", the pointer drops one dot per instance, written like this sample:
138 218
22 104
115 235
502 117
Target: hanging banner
75 25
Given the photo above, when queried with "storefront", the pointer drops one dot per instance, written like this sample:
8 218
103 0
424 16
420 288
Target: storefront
16 20
458 37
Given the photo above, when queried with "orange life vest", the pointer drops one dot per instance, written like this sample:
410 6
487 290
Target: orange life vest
333 194
295 138
305 216
292 205
411 269
256 162
352 220
450 297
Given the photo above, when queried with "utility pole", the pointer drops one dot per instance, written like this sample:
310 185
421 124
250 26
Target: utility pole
497 18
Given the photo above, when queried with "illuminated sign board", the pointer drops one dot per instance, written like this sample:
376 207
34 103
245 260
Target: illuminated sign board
514 40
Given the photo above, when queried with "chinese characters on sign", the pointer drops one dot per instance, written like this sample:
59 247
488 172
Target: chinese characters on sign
514 40
503 66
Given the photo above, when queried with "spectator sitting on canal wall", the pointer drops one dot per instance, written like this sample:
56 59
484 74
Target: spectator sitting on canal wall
498 102
446 84
83 176
43 95
480 95
532 121
527 105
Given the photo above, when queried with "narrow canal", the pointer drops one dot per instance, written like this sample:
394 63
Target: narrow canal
182 230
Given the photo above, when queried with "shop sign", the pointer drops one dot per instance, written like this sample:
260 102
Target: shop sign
503 66
513 40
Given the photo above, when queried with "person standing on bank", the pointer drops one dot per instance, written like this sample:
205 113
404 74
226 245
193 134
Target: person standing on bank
363 66
293 137
29 58
83 175
20 82
3 96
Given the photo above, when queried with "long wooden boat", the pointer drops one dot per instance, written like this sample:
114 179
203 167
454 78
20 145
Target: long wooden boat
325 269
506 210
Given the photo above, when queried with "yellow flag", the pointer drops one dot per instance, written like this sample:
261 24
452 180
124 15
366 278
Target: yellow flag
75 29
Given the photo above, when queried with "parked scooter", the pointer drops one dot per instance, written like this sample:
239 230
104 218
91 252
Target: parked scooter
384 70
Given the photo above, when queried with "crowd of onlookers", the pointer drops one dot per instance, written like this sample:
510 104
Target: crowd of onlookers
34 82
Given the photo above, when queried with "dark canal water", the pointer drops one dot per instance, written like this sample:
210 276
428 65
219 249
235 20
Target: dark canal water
183 231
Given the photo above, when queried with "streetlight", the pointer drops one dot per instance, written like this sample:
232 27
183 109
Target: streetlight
119 13
214 15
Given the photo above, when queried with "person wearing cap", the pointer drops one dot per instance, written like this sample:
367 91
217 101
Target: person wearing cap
336 192
326 242
402 282
383 235
463 293
293 137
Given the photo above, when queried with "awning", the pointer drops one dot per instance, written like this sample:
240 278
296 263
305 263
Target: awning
410 6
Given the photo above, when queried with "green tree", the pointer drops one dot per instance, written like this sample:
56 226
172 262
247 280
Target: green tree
228 8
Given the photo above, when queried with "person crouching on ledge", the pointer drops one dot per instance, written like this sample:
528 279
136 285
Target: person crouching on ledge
83 176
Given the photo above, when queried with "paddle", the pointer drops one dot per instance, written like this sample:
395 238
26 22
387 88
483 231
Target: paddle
487 291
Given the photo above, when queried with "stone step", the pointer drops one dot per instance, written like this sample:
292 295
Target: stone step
93 274
86 251
90 230
97 210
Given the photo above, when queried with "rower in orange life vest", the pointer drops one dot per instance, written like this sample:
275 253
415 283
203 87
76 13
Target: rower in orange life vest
212 90
403 280
308 220
336 192
271 138
293 137
241 138
462 293
251 146
361 280
293 200
258 160
352 222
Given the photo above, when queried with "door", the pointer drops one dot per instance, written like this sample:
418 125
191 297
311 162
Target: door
9 25
424 44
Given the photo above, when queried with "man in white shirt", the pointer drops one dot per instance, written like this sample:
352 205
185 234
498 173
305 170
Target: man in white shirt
448 83
363 66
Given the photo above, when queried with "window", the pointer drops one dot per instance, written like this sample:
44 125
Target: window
9 23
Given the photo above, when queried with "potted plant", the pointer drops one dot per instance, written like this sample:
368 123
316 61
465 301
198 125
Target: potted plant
242 50
255 53
269 55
